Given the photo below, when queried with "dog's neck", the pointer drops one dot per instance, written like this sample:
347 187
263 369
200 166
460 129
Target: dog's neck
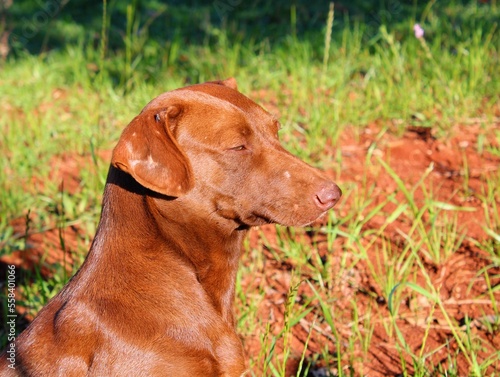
148 229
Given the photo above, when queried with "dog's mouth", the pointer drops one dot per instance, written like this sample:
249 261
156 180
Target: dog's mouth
256 219
293 219
244 221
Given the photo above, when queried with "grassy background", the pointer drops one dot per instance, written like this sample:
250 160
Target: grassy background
78 71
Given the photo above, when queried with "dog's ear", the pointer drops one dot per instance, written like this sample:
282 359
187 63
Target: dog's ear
230 83
148 151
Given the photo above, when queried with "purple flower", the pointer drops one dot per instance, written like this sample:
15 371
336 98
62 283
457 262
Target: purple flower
419 32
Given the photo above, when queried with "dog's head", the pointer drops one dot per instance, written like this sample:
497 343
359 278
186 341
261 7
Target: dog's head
213 147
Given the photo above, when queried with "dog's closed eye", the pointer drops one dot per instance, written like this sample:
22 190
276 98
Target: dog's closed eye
239 148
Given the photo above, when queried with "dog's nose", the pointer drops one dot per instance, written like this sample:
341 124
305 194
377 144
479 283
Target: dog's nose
328 196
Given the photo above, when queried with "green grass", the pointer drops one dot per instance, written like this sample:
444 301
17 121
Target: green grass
69 91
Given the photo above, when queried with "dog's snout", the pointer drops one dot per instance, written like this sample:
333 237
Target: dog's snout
327 196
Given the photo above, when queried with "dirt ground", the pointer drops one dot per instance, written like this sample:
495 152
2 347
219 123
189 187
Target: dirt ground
460 285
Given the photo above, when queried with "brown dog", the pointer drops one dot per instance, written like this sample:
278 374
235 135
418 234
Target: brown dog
190 175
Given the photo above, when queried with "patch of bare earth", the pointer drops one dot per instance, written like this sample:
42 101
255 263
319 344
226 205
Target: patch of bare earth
458 178
461 285
44 248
